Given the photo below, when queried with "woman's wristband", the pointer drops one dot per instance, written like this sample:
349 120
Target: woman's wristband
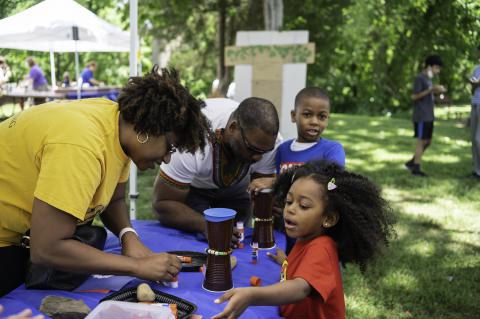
124 231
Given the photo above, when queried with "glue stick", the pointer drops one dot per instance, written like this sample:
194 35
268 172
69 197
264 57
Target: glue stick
254 253
241 230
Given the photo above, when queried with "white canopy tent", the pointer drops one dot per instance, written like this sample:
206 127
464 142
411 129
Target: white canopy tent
61 26
66 26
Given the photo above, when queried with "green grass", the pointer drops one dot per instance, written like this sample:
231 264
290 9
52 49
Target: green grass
432 270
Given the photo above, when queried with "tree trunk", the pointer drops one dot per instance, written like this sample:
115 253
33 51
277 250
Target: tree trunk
222 16
273 14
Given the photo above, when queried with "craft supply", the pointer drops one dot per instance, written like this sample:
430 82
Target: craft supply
57 306
172 284
255 281
233 261
254 253
263 219
185 259
241 230
218 275
145 293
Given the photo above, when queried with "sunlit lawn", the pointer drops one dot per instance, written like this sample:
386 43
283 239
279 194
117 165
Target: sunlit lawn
433 269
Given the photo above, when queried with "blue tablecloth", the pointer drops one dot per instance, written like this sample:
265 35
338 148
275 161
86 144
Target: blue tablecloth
161 239
108 94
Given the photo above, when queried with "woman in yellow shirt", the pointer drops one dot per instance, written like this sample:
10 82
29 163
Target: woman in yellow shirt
64 162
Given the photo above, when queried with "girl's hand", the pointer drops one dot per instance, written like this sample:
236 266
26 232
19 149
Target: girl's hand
25 314
279 258
238 300
258 184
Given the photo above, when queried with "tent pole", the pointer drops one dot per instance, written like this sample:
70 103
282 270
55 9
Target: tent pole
77 72
133 72
52 69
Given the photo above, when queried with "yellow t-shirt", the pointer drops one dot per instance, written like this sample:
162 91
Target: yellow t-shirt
65 153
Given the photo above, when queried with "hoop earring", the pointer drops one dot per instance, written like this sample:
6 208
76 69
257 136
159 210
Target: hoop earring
140 140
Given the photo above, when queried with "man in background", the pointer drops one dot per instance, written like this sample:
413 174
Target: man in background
37 78
87 75
423 117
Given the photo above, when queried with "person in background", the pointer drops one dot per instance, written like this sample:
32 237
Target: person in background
66 80
66 162
38 80
423 114
5 73
475 119
87 75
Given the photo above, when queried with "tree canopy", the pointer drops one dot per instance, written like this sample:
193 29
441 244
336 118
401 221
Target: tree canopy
367 51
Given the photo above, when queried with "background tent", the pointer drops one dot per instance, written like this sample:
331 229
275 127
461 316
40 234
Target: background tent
61 26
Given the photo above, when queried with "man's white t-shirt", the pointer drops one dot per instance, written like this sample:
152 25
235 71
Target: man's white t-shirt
197 169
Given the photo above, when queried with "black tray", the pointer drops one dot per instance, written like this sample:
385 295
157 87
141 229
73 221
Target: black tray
184 308
198 259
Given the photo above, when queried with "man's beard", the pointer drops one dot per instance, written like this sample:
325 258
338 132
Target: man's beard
230 148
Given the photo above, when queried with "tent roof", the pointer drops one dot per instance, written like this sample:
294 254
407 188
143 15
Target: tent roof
49 26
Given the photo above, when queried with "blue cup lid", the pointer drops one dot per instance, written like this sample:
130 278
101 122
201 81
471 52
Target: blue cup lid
219 214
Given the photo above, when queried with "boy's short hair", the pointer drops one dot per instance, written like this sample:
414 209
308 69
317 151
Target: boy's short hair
311 91
433 59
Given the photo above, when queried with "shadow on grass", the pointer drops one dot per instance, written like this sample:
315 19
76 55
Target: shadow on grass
426 273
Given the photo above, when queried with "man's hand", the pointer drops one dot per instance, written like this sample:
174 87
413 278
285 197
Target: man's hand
279 258
158 267
133 247
258 184
238 300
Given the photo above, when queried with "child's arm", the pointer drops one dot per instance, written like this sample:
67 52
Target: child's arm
279 258
287 292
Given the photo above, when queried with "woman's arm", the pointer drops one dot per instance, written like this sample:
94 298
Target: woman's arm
52 245
115 218
287 292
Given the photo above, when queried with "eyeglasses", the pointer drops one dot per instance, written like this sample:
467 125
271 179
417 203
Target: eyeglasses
252 149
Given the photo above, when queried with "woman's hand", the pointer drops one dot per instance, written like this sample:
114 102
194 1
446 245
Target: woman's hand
158 267
279 258
133 247
238 300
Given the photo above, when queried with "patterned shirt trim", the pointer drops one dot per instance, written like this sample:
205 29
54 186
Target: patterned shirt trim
171 182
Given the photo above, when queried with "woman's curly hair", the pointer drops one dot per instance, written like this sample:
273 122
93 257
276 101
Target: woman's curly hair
157 103
365 221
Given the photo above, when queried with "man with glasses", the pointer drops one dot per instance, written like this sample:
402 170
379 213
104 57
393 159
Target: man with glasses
240 148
